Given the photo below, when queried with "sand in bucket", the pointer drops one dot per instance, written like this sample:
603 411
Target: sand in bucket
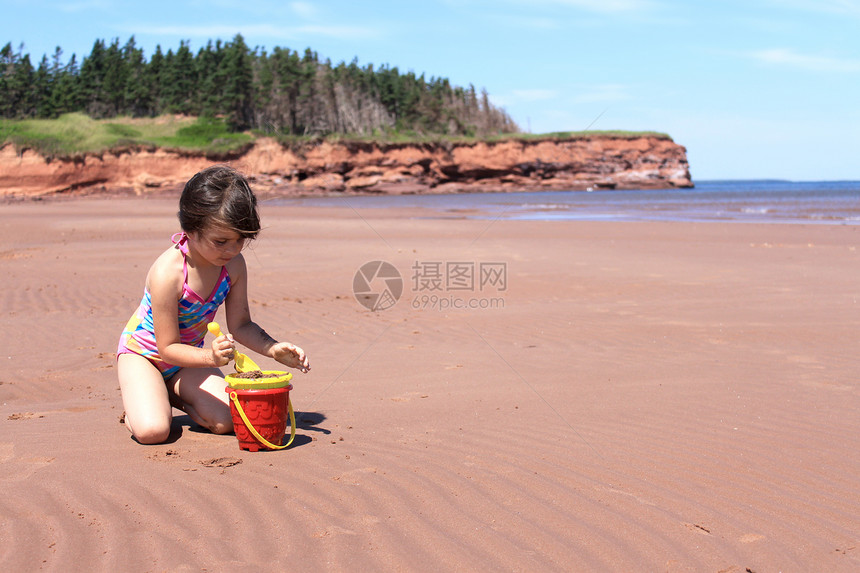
260 406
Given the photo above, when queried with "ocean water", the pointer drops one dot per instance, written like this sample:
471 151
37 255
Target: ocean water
753 201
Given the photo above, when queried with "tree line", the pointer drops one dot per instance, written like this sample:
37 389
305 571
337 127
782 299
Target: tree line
279 92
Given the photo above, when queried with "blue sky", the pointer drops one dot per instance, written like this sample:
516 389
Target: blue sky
752 88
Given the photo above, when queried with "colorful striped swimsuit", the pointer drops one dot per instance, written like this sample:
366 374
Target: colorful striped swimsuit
195 314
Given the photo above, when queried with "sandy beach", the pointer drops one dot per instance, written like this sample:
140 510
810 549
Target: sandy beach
616 397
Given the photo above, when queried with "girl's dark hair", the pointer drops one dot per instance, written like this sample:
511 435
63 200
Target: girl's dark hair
219 195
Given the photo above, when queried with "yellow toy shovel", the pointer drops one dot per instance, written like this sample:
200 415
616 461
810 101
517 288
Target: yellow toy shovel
242 362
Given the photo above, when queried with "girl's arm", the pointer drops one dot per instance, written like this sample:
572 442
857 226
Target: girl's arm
248 332
165 289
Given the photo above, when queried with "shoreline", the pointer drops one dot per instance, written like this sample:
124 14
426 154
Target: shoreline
752 202
651 396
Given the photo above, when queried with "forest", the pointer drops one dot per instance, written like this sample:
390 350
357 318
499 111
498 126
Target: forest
280 92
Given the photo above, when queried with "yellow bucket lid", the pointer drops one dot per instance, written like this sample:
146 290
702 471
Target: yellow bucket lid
273 379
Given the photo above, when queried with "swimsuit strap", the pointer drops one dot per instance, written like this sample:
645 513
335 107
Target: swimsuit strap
181 241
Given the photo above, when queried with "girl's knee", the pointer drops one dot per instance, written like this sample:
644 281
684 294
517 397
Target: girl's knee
155 434
221 426
214 417
150 431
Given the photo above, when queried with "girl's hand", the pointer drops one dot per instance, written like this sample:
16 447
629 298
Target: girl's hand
223 349
290 355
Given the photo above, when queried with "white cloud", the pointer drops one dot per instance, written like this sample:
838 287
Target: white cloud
352 32
536 23
226 31
602 93
83 6
523 96
535 95
790 58
613 6
304 9
843 7
597 6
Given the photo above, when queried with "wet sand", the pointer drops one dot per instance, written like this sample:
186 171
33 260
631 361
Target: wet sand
640 397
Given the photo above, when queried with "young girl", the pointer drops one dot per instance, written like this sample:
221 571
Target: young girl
161 360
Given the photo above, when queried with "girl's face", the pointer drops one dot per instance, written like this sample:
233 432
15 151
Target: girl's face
218 245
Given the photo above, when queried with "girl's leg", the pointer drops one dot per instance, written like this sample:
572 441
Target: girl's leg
144 396
201 395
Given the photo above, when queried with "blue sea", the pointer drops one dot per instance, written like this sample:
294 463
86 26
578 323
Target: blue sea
744 201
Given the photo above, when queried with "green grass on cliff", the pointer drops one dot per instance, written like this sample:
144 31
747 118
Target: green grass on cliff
75 134
608 133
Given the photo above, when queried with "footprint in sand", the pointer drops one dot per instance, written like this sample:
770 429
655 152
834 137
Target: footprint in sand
18 254
225 462
24 416
408 396
698 528
334 530
165 455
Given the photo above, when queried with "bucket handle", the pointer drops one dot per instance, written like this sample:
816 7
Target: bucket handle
254 431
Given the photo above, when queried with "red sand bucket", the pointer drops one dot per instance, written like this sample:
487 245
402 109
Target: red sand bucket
260 408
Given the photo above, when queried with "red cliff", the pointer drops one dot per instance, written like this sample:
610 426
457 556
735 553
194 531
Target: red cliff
576 163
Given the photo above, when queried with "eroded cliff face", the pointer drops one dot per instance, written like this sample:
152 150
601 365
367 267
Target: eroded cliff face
596 162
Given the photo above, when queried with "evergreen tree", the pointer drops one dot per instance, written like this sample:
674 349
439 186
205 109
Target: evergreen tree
92 81
178 82
154 79
115 79
67 93
137 94
281 92
20 88
212 78
238 84
41 90
290 75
